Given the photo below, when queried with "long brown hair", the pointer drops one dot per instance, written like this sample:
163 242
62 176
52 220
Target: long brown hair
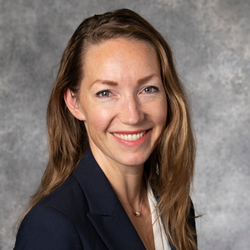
175 153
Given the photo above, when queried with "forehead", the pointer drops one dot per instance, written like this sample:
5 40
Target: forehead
116 43
121 56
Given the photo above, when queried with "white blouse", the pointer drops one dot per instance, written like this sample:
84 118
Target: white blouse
160 237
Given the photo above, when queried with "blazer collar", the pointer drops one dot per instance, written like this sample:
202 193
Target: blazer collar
105 210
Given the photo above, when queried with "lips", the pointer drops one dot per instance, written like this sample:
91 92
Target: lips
130 137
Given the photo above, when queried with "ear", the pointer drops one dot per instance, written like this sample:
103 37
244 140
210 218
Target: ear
73 105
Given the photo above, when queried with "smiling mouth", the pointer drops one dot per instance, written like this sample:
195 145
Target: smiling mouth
130 137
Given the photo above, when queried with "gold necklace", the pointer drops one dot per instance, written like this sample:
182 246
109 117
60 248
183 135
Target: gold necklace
136 213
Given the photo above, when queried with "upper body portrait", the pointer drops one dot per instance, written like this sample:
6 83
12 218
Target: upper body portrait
121 145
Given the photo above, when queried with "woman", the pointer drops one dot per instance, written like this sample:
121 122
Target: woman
121 145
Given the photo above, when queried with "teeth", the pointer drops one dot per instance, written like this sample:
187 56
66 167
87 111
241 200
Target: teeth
130 137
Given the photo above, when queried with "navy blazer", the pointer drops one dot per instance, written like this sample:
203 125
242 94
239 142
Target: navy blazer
83 213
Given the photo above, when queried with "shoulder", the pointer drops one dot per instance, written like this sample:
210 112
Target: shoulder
69 199
47 228
52 223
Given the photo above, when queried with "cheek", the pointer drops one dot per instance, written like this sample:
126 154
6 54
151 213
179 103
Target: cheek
162 117
98 120
159 113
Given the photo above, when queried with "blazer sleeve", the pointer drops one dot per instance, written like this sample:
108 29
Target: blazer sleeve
191 219
46 228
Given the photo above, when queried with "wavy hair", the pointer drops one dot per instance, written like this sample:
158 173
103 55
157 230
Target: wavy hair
175 152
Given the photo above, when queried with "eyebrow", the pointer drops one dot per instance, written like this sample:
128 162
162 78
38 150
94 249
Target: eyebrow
113 83
146 79
105 82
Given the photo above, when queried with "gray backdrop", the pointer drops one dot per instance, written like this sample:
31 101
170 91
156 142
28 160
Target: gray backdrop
210 39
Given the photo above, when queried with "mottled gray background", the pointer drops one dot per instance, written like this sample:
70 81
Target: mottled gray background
210 39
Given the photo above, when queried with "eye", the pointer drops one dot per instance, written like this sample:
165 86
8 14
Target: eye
150 89
103 93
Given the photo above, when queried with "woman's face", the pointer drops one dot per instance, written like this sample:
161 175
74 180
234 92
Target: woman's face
122 101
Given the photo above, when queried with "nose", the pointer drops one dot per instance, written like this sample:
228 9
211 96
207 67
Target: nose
130 111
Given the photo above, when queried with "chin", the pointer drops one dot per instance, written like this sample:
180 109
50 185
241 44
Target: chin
134 161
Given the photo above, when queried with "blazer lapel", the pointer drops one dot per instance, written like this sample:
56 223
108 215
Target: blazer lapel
105 211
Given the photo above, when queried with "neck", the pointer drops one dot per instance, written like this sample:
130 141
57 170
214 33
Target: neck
127 181
128 187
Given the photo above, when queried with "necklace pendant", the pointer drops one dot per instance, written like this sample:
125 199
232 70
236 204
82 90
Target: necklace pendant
137 214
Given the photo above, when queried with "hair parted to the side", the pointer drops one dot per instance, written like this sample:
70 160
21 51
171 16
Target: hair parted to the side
175 153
